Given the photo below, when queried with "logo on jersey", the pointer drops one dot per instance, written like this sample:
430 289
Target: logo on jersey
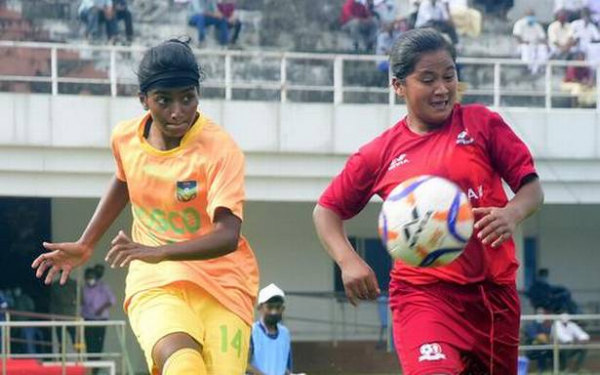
431 352
186 190
464 138
400 160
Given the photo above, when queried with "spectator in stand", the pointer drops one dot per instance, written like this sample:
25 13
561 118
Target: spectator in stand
97 298
24 303
359 21
594 7
386 12
539 332
122 13
561 37
579 82
94 13
63 301
205 13
585 32
531 37
436 14
499 8
385 41
571 7
227 9
553 298
568 332
467 21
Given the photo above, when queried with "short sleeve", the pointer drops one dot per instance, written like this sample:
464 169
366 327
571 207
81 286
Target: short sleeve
120 172
351 190
225 183
510 156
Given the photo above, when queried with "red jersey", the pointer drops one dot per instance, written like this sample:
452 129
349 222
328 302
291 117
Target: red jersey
476 149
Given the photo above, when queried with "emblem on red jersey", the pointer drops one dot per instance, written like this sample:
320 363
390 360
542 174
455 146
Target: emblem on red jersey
400 160
464 138
186 190
431 352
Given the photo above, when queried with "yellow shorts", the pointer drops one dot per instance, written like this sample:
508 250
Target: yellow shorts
186 307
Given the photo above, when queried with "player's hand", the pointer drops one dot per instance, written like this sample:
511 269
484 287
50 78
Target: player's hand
61 257
359 281
123 250
495 225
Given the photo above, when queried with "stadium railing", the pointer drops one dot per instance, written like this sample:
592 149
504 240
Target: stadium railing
334 319
63 359
339 79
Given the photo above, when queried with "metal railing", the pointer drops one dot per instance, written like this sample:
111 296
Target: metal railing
345 322
342 73
64 358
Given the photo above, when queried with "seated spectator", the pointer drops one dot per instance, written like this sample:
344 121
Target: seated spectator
122 13
227 9
561 37
585 32
436 14
532 41
385 41
539 332
386 12
572 8
94 13
552 298
579 82
594 7
467 21
24 303
205 13
498 8
358 20
569 332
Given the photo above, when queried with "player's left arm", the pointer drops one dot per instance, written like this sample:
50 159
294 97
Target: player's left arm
222 240
497 224
513 161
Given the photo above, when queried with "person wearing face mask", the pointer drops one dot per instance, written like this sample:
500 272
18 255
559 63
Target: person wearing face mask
538 332
96 301
532 41
270 343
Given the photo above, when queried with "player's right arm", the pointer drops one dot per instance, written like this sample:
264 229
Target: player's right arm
358 278
68 255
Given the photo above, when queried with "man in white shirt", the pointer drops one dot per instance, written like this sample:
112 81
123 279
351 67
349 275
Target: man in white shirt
568 332
561 37
436 14
532 41
585 32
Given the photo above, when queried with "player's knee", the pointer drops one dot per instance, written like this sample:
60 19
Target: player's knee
185 361
180 343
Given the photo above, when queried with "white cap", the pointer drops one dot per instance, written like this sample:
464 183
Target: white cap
269 292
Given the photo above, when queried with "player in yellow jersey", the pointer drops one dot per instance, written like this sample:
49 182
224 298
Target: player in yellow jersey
192 277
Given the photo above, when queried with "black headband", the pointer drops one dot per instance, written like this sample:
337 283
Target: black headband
170 79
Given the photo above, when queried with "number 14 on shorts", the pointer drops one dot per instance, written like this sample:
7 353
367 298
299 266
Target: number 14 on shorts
234 343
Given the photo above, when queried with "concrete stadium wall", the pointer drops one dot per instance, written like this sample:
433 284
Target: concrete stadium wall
58 146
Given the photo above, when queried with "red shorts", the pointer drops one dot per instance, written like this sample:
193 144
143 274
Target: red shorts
446 328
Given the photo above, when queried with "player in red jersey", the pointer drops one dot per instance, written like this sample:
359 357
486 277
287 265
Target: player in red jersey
462 318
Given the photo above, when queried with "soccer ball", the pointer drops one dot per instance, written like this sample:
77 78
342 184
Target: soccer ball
426 221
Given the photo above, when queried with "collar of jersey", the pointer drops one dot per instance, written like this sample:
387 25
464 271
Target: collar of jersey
194 129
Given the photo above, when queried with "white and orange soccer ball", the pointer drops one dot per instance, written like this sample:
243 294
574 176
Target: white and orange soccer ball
426 221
